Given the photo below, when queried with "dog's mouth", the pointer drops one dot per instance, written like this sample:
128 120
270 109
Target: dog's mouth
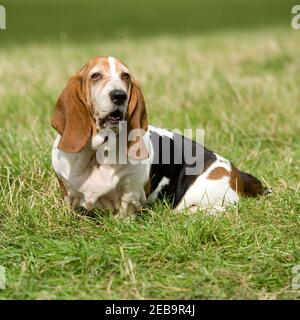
113 118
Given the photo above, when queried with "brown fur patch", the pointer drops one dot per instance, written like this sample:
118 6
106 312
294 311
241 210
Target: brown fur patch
137 120
121 67
71 117
236 182
245 184
102 62
218 173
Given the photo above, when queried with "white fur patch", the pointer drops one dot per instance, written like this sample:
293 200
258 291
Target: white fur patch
112 67
162 132
119 187
209 193
164 181
221 159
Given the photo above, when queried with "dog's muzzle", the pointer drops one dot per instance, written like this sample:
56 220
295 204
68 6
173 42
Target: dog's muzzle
112 119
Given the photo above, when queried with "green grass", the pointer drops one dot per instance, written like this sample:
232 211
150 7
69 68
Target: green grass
241 85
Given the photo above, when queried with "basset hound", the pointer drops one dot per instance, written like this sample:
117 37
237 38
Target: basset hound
95 101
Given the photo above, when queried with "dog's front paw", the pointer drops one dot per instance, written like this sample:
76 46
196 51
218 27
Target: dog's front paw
127 211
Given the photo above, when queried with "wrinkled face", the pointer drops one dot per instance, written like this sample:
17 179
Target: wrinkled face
110 84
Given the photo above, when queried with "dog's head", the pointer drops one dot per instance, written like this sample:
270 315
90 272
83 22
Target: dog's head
100 95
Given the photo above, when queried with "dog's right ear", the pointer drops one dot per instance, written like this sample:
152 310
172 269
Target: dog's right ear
71 117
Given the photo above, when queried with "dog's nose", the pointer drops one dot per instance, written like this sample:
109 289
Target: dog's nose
118 96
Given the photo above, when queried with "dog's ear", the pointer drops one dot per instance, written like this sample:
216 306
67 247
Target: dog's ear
71 117
137 123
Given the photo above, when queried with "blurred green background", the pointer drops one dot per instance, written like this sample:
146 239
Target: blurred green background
43 20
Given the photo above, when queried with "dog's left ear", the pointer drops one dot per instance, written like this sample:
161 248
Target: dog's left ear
71 117
137 123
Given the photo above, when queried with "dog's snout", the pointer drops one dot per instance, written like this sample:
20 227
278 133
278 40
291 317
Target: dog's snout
118 96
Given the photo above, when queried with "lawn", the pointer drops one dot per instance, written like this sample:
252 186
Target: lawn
238 79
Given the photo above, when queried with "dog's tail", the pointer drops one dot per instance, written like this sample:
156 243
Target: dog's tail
248 185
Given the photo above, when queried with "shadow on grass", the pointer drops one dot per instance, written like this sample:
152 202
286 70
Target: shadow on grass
142 215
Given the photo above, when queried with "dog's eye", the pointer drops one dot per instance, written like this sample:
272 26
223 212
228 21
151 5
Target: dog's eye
96 76
125 76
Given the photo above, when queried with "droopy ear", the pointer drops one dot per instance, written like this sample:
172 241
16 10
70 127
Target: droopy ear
71 117
137 123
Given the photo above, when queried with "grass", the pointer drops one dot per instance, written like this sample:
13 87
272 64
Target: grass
241 86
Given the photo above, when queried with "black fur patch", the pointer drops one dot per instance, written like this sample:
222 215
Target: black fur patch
175 168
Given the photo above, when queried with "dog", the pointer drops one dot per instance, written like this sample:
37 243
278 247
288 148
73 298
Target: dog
100 96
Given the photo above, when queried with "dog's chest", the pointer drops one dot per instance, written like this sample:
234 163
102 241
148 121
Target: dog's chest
101 186
87 183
